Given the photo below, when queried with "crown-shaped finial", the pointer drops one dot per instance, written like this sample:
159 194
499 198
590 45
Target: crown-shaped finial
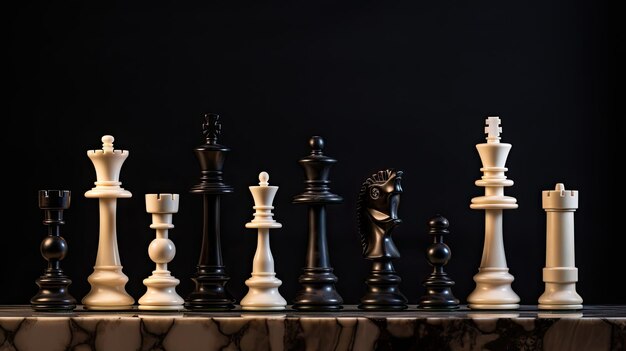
493 129
263 195
211 128
107 143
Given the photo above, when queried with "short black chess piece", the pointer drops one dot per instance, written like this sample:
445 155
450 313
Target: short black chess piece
318 292
377 215
53 285
210 278
438 284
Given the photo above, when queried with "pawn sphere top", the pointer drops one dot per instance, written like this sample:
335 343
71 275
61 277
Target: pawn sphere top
264 177
317 144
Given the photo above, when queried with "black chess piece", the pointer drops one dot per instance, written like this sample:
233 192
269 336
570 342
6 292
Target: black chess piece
53 285
210 278
377 215
318 292
438 284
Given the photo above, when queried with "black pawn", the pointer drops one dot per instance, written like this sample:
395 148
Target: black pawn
53 285
438 285
318 292
210 278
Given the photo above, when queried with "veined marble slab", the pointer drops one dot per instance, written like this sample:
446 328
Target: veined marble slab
595 328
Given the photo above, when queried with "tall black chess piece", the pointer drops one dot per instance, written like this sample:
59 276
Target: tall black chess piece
377 215
211 278
438 284
53 292
318 291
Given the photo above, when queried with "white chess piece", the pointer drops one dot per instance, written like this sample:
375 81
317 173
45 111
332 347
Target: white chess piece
161 293
108 281
493 280
560 274
263 285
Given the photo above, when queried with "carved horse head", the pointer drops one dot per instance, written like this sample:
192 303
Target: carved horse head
377 213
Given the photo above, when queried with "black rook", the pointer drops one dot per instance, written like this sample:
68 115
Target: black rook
53 284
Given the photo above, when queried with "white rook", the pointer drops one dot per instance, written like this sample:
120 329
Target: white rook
161 285
107 280
560 274
493 280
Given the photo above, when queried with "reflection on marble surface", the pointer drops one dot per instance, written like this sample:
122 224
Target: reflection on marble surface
595 328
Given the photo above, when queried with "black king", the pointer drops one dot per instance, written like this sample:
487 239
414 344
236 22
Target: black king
210 278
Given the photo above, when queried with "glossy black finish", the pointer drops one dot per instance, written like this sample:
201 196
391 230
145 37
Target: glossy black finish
318 292
438 284
377 215
53 285
210 278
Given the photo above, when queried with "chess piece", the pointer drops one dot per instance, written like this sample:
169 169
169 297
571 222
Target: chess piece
53 285
210 278
318 291
263 285
560 274
161 293
107 280
438 284
377 215
493 280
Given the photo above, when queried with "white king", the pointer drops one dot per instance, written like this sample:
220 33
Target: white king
108 281
493 280
263 285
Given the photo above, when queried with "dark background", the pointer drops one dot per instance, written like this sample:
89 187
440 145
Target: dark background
388 84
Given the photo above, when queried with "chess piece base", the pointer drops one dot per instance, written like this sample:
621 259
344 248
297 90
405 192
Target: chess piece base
161 308
438 293
383 292
107 289
438 307
493 290
478 306
559 307
161 293
560 296
52 294
373 307
210 292
318 291
263 294
264 308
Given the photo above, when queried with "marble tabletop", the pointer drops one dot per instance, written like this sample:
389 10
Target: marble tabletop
593 328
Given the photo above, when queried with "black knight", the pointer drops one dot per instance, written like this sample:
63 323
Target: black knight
377 215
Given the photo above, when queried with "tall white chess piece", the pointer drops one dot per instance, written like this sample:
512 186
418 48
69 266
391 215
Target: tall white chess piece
263 285
161 293
493 280
560 274
108 281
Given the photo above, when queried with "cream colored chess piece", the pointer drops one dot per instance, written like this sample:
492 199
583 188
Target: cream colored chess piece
263 285
560 274
107 280
161 293
493 280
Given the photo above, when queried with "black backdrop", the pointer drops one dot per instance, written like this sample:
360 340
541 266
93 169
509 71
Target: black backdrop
388 84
